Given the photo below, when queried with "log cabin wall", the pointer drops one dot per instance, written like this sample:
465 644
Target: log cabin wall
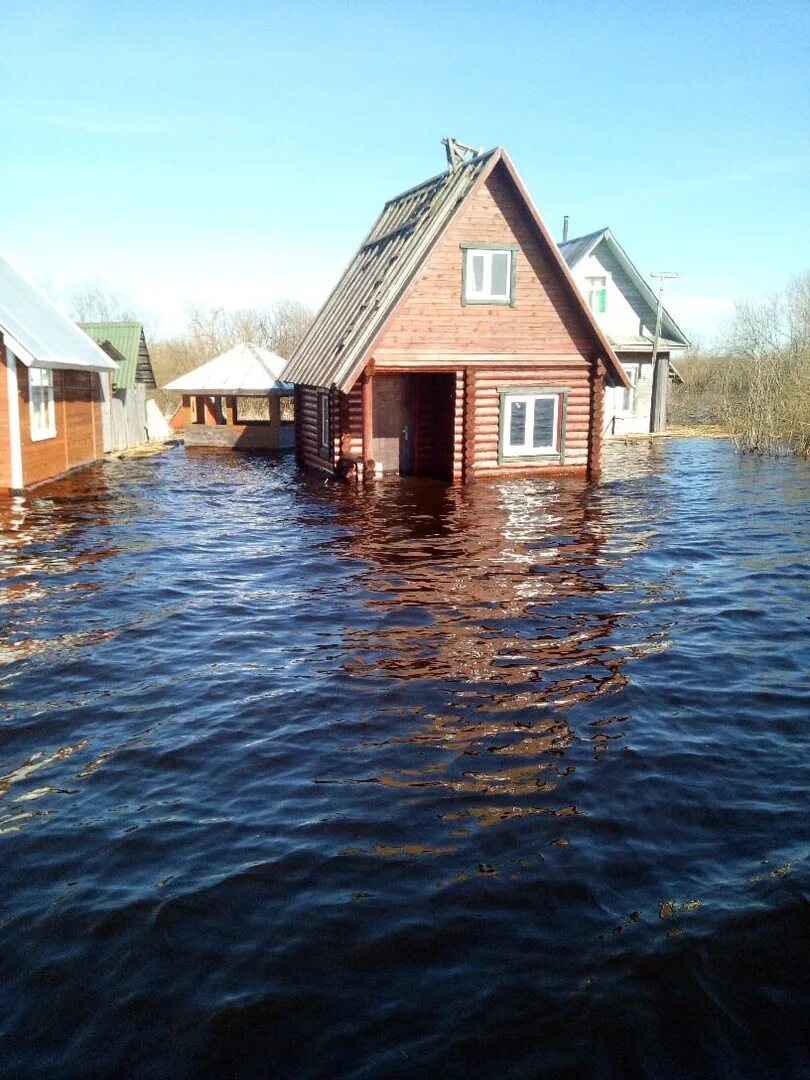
351 404
78 439
307 442
482 420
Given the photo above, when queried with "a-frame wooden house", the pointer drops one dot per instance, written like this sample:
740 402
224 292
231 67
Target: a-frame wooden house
456 343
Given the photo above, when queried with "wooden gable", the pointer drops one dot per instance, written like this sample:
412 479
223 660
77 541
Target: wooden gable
545 317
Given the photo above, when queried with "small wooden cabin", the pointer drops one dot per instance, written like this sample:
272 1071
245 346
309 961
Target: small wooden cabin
456 344
50 389
123 410
625 307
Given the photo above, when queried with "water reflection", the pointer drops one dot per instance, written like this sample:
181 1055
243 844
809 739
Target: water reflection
483 600
304 779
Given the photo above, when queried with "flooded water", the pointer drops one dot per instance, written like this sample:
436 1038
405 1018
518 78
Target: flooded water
299 779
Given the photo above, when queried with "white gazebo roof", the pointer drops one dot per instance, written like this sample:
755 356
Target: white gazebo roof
246 370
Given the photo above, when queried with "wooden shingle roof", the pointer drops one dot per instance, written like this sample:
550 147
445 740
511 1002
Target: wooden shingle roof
388 260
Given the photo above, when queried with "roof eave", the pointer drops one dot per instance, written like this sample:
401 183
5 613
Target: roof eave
609 355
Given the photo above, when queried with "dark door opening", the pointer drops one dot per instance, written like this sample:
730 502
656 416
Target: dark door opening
413 424
434 406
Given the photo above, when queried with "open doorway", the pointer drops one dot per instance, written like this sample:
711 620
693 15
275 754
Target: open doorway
413 424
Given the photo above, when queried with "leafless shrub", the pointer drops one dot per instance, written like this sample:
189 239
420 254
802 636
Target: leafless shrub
759 387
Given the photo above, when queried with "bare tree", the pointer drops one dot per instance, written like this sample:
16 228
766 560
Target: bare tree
279 328
212 331
89 303
766 398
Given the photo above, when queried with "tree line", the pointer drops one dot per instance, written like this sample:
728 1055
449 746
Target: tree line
208 333
756 385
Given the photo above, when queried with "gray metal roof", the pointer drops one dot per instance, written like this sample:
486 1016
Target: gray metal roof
377 276
38 333
246 370
575 250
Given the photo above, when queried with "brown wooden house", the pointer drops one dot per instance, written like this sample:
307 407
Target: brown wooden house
50 389
456 344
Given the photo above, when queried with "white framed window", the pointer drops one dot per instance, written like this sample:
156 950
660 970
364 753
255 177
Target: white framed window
323 424
488 276
597 294
531 423
41 403
629 397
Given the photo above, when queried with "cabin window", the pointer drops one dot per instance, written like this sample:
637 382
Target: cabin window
488 275
41 403
629 397
323 425
597 294
532 423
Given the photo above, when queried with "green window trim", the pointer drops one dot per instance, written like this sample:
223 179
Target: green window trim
492 302
545 457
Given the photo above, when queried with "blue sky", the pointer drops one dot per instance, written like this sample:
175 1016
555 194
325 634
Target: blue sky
236 153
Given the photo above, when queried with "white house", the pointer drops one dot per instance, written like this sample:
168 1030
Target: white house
625 308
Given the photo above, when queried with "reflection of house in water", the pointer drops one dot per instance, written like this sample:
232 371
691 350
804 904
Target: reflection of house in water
486 601
40 551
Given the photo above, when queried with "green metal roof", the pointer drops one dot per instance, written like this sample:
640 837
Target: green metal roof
127 340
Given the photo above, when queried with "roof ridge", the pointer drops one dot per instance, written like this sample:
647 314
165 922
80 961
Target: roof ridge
446 173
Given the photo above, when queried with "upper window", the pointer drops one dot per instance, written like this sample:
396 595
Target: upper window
597 294
41 403
488 275
530 423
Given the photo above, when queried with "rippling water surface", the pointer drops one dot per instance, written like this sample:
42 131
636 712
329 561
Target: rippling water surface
299 779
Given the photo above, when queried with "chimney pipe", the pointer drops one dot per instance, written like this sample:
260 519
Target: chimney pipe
565 229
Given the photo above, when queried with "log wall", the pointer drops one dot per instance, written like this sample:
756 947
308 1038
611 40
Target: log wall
481 432
307 449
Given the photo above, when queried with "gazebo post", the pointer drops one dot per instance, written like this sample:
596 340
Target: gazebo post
274 410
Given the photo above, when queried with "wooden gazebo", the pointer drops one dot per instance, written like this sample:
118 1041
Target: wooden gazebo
235 400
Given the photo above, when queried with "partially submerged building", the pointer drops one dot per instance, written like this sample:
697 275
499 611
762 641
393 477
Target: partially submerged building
235 400
625 307
456 344
124 411
50 388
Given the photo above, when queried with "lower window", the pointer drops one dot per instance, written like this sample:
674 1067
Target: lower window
531 423
629 397
41 403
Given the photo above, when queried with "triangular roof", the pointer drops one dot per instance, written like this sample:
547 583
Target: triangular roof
127 340
246 370
38 333
574 251
398 245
